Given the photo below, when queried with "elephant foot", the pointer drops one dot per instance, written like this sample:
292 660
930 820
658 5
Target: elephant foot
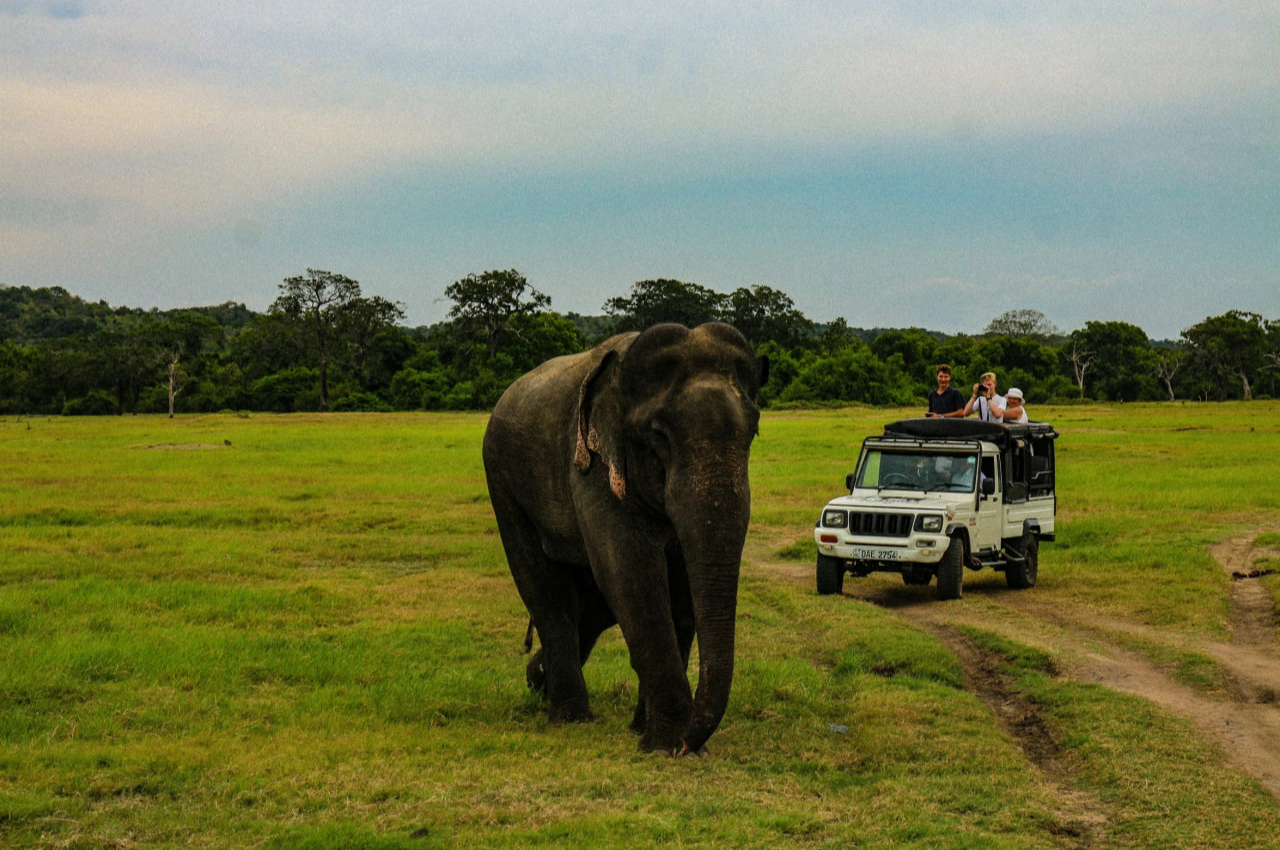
701 752
681 752
667 744
560 715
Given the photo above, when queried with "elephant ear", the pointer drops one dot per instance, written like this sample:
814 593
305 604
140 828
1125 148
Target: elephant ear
599 423
762 375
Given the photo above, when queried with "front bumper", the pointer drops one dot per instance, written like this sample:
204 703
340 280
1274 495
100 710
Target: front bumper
876 553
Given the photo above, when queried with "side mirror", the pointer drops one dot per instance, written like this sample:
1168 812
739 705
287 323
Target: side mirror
848 482
988 486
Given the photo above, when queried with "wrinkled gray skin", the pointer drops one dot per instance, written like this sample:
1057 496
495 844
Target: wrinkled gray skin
619 481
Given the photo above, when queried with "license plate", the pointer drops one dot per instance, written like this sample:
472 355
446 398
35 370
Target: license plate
875 554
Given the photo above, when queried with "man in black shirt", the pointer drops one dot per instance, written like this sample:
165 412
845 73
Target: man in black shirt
946 401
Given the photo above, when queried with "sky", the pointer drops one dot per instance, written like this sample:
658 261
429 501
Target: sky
916 163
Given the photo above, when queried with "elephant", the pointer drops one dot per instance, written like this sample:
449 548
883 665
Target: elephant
618 477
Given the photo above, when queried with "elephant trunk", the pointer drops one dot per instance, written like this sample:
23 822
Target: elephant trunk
715 617
712 527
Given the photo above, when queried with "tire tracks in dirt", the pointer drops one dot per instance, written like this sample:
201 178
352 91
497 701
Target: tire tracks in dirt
1244 723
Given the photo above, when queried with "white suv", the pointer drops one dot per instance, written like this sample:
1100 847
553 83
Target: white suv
933 496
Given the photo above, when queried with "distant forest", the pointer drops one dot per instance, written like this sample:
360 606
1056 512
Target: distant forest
323 345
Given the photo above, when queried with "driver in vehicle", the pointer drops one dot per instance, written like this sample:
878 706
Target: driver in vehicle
963 478
933 473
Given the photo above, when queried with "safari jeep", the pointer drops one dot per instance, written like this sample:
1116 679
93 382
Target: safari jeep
933 496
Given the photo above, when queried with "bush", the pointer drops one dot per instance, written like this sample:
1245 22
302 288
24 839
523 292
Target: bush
154 400
96 403
461 397
413 389
360 402
287 391
851 375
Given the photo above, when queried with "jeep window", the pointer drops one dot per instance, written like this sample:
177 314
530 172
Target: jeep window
1015 486
988 467
1040 462
918 471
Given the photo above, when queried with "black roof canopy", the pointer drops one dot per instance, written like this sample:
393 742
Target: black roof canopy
968 430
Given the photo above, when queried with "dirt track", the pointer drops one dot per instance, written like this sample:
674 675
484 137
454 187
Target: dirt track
1244 721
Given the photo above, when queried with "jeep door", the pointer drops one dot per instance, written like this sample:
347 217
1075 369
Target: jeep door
989 514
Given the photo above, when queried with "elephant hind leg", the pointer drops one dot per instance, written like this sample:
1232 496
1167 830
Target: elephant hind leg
595 617
560 670
535 674
550 593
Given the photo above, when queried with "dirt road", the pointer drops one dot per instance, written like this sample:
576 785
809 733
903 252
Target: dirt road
1244 721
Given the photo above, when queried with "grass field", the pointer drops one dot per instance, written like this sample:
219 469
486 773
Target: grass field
299 631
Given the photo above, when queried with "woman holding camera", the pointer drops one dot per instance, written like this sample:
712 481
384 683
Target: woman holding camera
986 402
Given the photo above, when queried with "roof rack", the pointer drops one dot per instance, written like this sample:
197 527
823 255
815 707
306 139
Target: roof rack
967 430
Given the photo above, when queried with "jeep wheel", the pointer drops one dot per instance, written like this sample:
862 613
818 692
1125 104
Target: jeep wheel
951 571
830 575
1021 575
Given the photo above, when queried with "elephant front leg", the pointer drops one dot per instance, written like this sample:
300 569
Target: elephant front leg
666 702
682 618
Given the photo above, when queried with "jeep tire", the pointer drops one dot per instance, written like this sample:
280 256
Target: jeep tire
830 575
1021 575
951 571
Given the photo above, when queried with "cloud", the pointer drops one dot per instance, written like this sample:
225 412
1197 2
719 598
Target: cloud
63 10
927 139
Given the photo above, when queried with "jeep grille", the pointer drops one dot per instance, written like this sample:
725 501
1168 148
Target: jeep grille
880 525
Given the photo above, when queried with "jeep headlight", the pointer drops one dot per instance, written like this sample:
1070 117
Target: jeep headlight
929 522
835 519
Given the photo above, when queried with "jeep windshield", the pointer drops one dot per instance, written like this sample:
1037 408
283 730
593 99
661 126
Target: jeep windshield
919 471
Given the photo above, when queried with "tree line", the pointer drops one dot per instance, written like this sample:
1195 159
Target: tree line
323 345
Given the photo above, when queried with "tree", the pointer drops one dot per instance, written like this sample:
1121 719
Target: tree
836 336
329 315
1080 358
375 347
917 349
763 313
653 302
489 301
538 338
1168 362
184 334
1123 360
271 344
1019 323
1273 352
1234 345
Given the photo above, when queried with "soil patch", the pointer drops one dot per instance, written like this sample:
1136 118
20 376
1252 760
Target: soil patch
1081 817
1253 616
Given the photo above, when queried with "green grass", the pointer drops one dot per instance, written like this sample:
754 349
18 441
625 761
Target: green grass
308 637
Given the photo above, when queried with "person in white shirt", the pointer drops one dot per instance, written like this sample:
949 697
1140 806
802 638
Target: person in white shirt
986 402
1014 412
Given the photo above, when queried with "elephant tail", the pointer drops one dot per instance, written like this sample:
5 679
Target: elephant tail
528 638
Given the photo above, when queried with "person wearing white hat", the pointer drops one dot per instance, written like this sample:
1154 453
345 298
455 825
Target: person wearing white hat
1014 412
